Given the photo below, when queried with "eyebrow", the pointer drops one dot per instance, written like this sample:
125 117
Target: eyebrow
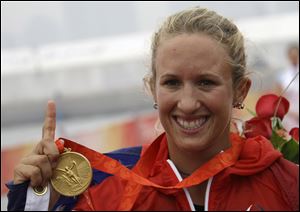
168 75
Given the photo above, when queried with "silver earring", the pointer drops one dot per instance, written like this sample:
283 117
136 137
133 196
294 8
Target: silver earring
239 105
155 105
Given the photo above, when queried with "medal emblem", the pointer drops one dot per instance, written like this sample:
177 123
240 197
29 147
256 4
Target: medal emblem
39 190
72 175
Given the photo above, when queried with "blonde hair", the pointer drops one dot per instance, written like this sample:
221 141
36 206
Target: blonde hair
204 21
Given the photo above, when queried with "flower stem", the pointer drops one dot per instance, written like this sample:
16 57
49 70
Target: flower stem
280 96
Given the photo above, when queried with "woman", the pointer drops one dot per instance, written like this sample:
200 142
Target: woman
198 76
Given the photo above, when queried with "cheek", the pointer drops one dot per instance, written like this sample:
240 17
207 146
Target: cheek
165 100
166 103
219 102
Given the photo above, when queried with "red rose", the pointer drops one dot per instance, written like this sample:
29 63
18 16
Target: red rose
258 126
266 106
295 133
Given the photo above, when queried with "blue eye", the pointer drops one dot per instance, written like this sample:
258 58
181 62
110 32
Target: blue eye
172 83
206 83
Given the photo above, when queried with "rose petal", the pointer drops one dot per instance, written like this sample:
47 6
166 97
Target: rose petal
266 106
295 133
258 126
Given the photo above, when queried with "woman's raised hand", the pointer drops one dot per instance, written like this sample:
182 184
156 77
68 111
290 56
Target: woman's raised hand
37 166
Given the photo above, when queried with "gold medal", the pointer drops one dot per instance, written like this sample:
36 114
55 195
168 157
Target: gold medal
72 175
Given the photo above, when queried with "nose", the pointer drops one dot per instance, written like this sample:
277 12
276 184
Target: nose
188 102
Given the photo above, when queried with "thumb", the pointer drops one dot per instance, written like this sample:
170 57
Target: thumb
53 158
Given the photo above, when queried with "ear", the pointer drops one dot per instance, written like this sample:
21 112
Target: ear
241 90
150 87
154 95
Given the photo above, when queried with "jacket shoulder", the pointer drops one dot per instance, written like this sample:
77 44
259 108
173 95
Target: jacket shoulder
287 176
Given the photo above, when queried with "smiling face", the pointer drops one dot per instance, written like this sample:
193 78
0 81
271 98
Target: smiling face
194 92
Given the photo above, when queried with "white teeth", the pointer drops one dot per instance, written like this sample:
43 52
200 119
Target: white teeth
191 124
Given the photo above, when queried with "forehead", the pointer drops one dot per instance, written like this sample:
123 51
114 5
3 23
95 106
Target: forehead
191 52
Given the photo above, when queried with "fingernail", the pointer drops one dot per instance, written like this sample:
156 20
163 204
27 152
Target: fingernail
55 158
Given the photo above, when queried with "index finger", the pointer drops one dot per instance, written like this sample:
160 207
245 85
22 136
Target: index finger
50 121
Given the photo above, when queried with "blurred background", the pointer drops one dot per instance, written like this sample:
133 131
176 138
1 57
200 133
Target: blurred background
91 57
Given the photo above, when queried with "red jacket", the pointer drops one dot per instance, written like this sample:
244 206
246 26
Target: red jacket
261 179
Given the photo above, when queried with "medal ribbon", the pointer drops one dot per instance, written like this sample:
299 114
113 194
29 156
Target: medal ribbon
136 178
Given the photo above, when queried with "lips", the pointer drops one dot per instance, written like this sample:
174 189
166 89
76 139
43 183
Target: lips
191 125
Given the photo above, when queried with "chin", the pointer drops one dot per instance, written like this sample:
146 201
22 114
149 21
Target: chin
190 143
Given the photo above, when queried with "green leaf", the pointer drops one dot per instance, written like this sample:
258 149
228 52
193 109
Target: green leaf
290 151
277 140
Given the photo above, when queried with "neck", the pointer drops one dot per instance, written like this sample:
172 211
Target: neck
187 161
183 174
